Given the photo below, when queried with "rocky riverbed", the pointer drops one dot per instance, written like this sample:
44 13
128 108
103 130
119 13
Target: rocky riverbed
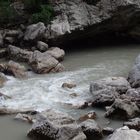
81 100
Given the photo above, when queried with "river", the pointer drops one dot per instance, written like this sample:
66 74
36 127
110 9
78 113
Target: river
40 92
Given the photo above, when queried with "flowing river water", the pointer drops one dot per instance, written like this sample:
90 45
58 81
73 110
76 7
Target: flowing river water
40 92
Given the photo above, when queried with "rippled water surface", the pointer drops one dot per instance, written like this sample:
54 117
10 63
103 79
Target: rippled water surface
44 91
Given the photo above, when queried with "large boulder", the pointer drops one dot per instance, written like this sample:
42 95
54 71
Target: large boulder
55 126
133 124
120 84
44 63
125 133
106 90
91 129
123 108
35 32
14 69
18 54
134 75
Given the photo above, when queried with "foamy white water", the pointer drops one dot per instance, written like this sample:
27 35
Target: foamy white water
40 92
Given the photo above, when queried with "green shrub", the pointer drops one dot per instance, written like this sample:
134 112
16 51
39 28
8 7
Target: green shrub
7 13
45 15
32 6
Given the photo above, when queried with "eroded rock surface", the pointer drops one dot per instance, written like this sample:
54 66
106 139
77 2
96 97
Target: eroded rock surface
125 133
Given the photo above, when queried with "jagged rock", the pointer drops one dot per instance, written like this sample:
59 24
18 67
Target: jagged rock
57 53
44 63
123 108
17 54
125 133
134 75
106 90
120 84
133 124
134 94
107 130
68 85
24 117
89 115
56 126
35 32
42 46
91 129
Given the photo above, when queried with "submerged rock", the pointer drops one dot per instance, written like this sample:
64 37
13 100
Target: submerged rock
91 129
35 32
89 115
133 124
5 97
56 126
125 133
123 108
44 63
68 85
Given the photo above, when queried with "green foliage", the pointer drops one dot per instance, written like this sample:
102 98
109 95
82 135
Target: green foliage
32 6
7 13
45 15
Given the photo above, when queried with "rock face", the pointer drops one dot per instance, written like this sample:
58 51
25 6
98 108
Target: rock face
134 75
44 63
77 19
91 129
106 90
123 108
125 133
56 126
133 124
18 54
34 32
